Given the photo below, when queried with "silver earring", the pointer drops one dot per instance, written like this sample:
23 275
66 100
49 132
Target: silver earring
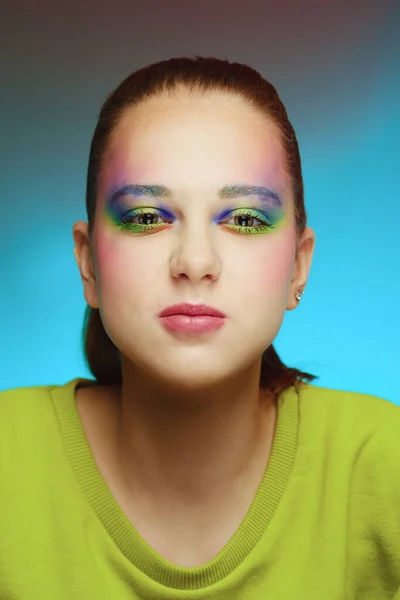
299 294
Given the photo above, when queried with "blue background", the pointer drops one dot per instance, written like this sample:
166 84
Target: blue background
336 67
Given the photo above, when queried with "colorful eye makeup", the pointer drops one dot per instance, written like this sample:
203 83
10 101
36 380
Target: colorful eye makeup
151 219
145 219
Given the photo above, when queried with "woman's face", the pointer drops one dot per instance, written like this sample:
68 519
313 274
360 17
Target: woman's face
234 253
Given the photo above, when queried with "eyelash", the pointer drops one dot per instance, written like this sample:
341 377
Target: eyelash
128 224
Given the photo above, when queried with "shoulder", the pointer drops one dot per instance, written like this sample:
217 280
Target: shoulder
24 410
24 396
351 406
363 425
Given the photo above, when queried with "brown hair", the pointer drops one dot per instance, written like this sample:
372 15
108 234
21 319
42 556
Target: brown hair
200 75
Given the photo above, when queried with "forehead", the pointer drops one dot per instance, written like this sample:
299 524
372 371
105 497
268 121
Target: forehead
192 140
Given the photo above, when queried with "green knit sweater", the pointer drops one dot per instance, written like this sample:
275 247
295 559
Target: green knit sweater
324 523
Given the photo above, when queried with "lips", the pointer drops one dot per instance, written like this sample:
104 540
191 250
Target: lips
191 310
191 319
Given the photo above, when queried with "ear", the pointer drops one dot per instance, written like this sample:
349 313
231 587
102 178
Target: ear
302 266
84 258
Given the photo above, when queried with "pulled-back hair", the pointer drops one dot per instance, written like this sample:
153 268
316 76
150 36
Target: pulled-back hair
201 76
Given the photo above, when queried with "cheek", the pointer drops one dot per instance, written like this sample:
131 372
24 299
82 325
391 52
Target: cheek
109 263
125 269
129 271
270 269
107 255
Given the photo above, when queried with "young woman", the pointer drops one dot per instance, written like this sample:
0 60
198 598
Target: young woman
196 464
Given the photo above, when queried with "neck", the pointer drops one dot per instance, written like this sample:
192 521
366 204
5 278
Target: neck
193 451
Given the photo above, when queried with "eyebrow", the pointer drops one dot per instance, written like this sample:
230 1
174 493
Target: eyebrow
227 192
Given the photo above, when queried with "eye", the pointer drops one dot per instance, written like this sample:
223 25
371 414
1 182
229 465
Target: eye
256 222
144 219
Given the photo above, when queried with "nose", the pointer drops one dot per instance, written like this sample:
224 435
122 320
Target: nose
195 256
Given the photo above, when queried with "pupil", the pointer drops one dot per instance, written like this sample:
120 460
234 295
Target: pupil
146 219
244 217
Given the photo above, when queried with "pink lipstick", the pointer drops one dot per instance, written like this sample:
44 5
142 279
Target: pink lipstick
192 318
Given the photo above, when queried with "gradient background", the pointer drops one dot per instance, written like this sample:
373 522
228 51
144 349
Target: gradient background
336 66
